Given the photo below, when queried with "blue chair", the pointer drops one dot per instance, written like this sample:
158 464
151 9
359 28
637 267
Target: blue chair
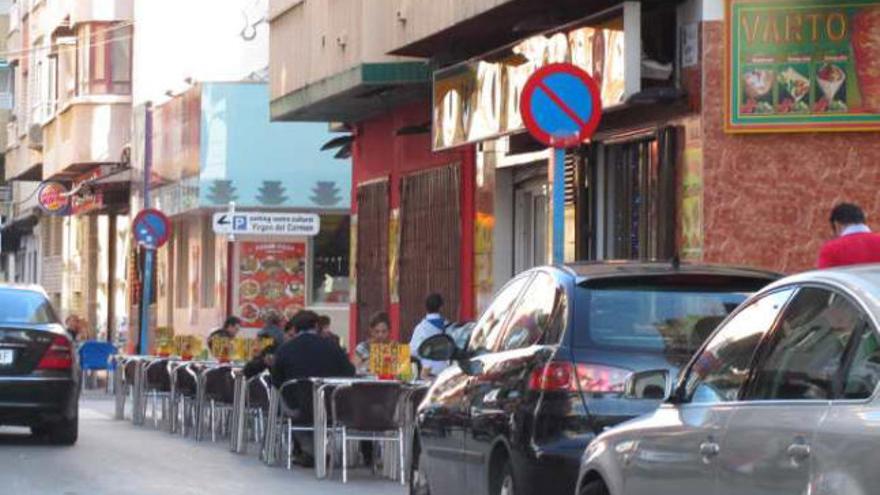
95 356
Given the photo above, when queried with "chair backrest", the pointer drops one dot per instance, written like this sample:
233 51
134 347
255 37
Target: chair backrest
186 380
157 375
220 384
258 392
130 371
297 399
415 397
368 406
95 355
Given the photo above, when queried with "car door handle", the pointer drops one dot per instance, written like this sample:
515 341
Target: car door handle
799 451
709 449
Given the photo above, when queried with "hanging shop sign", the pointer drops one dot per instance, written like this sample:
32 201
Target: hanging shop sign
803 65
53 198
87 198
480 99
272 279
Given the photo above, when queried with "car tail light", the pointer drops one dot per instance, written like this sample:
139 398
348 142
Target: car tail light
59 355
570 377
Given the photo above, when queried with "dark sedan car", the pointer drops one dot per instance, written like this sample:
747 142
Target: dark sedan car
39 370
543 371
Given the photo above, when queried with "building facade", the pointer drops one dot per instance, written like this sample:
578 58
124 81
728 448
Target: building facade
695 156
71 70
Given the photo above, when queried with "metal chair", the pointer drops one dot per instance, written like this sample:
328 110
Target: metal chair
369 411
220 393
297 410
157 380
186 394
94 356
257 404
130 370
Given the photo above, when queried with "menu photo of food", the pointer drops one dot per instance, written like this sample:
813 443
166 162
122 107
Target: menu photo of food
831 79
272 279
794 89
758 90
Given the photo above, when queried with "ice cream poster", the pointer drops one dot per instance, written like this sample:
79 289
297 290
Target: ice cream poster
803 66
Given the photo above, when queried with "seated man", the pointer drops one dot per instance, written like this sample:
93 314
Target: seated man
307 355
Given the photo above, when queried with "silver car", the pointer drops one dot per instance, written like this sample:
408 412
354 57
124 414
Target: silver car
781 400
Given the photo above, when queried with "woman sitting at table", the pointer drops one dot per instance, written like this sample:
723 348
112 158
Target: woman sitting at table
380 333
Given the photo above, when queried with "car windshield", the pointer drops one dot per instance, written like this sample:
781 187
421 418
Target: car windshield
665 319
24 306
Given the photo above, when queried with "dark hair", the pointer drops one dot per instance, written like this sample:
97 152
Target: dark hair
273 318
434 303
847 214
305 320
290 324
323 321
380 318
231 321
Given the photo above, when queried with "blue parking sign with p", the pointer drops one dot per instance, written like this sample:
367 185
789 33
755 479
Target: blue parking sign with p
239 222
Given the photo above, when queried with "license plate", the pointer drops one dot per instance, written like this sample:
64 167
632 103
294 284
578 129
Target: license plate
7 357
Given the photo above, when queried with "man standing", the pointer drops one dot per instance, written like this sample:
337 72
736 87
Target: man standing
854 244
431 325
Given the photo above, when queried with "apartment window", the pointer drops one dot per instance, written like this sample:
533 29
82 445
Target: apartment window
6 86
209 254
104 59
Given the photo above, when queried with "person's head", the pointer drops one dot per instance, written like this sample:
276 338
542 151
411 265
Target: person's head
290 329
305 320
232 325
72 322
273 319
324 323
380 328
434 303
844 215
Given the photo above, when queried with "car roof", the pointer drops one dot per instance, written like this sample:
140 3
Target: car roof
860 279
23 287
622 268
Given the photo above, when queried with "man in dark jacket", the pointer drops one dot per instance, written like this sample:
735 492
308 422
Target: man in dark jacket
307 355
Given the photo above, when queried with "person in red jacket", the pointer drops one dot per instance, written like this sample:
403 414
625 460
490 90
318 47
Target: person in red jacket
854 243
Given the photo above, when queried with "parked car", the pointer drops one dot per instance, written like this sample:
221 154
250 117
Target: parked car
780 400
543 371
39 369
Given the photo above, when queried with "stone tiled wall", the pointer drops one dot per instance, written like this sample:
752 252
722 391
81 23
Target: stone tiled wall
767 197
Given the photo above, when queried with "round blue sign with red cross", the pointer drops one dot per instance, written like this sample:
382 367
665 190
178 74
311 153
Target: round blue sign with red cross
561 105
151 228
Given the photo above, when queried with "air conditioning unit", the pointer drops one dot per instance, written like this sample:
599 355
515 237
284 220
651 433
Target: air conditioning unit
35 136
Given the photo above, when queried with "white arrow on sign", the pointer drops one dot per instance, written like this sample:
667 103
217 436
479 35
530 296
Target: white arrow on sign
277 224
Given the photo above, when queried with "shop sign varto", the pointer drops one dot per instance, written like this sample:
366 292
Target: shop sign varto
805 65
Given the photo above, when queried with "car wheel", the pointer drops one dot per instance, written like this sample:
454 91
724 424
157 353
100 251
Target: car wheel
418 482
64 432
594 488
506 483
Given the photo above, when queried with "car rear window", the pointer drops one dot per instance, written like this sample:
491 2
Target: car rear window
25 307
653 315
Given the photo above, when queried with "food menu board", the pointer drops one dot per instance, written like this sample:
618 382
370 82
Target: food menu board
390 360
803 65
272 277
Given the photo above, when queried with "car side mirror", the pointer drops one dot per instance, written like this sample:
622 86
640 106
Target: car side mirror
649 385
438 347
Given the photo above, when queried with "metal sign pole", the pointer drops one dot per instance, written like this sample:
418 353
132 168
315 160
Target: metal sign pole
146 299
559 205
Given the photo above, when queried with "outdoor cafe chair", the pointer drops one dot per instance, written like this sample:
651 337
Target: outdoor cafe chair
94 356
157 378
130 369
186 387
296 410
220 393
257 403
369 411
